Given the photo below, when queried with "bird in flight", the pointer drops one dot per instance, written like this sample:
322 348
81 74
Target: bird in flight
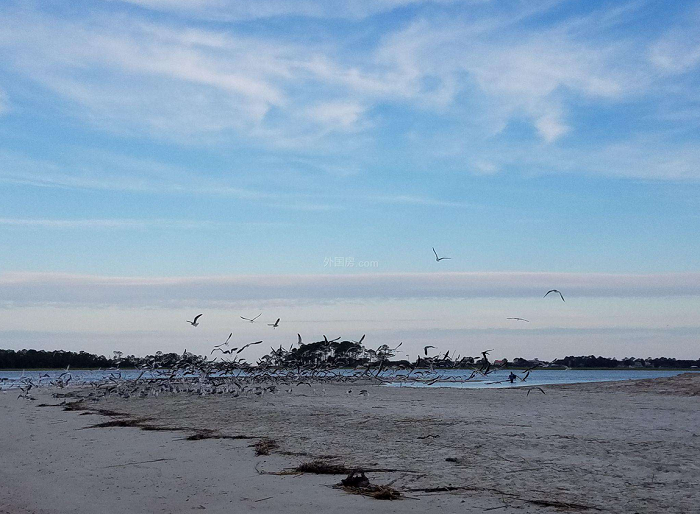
555 291
438 259
194 322
425 348
532 388
520 319
361 339
252 320
247 345
275 324
225 343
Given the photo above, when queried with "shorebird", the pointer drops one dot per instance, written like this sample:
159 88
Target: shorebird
247 345
538 388
194 322
252 320
520 319
438 259
555 291
275 324
225 343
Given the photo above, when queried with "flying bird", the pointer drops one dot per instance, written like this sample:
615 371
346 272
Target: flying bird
425 348
361 339
520 319
252 320
532 388
275 324
555 291
225 343
247 345
194 322
299 336
438 259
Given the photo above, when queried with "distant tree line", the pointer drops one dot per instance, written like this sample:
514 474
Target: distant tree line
591 361
338 354
60 359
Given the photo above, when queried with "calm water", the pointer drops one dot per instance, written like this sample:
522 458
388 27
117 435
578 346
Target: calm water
450 378
545 377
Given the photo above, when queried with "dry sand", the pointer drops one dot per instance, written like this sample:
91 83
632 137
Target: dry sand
613 447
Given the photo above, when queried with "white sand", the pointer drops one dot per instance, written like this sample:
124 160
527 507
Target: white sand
613 447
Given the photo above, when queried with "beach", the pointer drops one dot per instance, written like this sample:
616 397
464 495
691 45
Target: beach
630 446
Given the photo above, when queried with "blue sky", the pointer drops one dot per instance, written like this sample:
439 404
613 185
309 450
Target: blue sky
156 140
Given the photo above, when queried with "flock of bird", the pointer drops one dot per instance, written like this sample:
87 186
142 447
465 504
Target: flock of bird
282 370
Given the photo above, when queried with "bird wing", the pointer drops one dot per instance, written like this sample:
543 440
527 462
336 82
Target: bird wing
436 255
197 317
562 296
299 336
256 317
247 319
361 339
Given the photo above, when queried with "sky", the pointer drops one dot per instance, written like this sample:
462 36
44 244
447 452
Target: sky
301 158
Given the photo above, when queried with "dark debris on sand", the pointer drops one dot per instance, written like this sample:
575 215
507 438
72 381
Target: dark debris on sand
357 483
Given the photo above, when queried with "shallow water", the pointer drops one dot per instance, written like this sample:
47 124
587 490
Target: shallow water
454 378
448 378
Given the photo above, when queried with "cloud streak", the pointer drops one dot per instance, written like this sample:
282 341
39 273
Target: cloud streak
38 288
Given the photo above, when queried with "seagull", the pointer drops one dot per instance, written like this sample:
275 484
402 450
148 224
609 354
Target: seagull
520 319
531 389
252 320
225 343
361 339
247 345
275 324
425 348
555 291
194 322
438 259
299 342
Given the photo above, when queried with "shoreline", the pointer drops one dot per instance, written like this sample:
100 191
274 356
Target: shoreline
441 369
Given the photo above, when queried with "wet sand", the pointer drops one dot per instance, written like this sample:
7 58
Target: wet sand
607 447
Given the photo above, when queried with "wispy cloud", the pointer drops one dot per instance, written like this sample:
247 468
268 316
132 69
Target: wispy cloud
115 172
37 288
231 10
123 224
201 80
477 68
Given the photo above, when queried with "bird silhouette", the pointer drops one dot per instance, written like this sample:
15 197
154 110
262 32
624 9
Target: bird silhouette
438 259
194 322
555 291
